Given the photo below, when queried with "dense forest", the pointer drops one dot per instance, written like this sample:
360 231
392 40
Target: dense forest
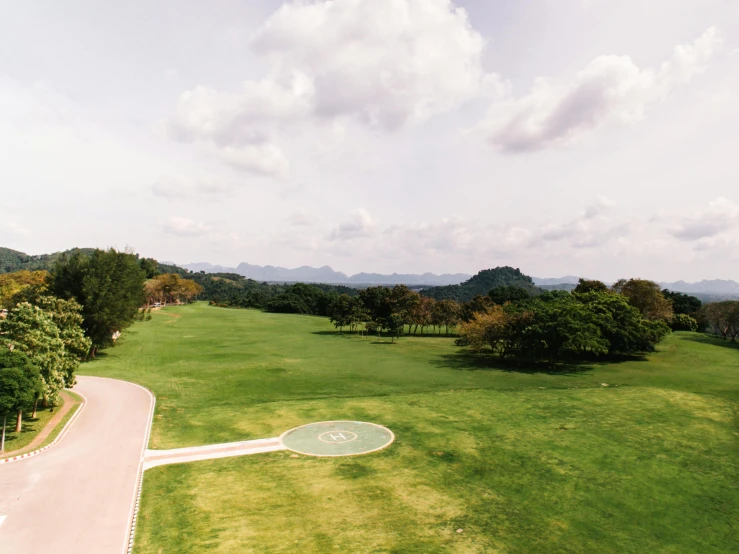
12 260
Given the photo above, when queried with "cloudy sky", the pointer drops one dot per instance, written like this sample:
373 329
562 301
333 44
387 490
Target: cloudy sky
585 137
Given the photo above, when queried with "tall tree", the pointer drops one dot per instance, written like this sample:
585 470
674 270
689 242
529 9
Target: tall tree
341 312
646 297
67 316
590 285
30 330
109 285
19 381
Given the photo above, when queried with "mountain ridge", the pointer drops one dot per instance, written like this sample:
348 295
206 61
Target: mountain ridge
326 274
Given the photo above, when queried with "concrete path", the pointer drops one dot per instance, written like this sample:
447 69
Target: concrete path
155 458
78 497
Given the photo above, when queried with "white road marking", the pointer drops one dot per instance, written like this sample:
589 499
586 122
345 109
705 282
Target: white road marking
2 518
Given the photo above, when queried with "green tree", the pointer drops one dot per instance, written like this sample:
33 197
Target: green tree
684 322
620 323
683 303
19 381
590 285
30 330
564 326
109 285
341 312
67 316
501 295
150 267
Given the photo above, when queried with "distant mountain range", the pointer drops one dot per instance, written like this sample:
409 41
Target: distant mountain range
713 287
325 274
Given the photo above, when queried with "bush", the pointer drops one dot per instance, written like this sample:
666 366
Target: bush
684 322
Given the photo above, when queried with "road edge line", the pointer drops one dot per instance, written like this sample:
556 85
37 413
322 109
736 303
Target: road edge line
138 485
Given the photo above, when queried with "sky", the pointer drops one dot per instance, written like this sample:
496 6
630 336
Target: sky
564 137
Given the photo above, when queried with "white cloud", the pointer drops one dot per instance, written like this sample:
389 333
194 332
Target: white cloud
359 225
230 118
720 216
183 227
609 89
384 61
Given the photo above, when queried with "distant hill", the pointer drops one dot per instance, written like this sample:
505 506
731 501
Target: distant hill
12 260
325 274
718 287
482 283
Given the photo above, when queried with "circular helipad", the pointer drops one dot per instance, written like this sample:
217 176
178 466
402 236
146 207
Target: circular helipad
337 438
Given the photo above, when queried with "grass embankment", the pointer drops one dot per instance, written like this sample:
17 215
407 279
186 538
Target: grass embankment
521 461
25 441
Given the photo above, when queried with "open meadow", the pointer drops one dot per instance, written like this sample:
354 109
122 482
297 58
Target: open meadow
636 456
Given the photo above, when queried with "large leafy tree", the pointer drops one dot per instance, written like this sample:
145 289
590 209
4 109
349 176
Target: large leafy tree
170 288
590 285
341 312
723 318
19 381
620 323
564 326
108 284
646 297
683 303
67 316
30 330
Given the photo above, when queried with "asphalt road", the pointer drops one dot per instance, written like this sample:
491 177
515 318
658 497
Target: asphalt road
77 497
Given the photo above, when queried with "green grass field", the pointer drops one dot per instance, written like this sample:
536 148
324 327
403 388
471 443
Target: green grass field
519 460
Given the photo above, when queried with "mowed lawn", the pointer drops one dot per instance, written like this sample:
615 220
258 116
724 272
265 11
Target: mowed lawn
518 460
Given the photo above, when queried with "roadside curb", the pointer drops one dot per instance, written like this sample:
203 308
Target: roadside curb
131 530
58 438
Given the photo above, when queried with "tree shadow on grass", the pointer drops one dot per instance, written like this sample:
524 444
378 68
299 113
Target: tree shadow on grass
712 340
469 361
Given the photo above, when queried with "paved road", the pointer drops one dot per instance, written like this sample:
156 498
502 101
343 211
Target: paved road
77 497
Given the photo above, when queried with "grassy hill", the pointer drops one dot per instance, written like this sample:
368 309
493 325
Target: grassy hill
638 456
12 260
483 283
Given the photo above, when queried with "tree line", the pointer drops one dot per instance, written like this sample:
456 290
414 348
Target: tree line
629 317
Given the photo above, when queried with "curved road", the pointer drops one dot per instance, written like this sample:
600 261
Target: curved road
78 496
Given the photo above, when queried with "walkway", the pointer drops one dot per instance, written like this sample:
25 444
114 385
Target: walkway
155 458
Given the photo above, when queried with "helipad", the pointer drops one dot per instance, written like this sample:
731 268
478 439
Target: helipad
337 438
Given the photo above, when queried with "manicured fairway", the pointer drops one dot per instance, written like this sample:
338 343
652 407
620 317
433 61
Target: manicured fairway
520 461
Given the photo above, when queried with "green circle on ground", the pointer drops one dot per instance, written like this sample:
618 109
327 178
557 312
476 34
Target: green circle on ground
337 438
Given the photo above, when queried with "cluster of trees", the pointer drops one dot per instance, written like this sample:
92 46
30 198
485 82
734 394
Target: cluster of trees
557 325
379 309
41 345
723 318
